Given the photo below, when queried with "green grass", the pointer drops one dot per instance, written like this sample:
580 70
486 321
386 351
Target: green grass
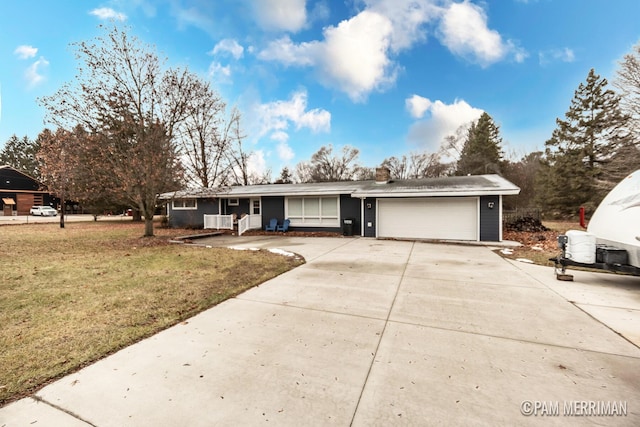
71 296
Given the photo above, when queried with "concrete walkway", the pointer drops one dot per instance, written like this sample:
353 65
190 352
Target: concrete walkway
373 333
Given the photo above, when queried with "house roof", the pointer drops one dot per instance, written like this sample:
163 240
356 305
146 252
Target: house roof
12 179
429 187
471 185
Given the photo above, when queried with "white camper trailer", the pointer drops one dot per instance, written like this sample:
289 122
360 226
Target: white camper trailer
612 239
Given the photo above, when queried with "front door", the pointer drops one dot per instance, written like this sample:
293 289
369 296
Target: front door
254 206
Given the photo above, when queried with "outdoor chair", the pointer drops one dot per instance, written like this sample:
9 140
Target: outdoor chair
273 223
284 227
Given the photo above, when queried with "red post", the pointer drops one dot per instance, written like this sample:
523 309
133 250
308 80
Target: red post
582 223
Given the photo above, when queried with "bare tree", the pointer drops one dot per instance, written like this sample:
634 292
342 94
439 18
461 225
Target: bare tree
627 82
452 144
416 165
55 161
237 156
123 97
68 160
204 137
303 172
363 173
324 166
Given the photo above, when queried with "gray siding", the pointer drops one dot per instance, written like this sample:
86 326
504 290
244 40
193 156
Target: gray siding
350 208
242 208
490 219
187 218
272 207
370 217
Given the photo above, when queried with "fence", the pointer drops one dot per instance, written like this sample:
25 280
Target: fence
218 222
249 222
509 216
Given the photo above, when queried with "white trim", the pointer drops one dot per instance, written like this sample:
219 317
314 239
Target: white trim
184 208
478 214
420 194
329 222
440 226
500 217
362 225
259 200
233 201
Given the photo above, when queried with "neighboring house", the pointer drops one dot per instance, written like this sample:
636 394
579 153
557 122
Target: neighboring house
19 191
464 208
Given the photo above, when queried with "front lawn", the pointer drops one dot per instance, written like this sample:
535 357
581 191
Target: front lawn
71 296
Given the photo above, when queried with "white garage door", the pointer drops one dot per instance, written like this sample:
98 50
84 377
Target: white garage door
447 218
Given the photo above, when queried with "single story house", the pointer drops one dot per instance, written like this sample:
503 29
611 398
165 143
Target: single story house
463 208
19 192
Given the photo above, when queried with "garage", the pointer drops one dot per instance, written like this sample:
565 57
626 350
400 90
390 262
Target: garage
449 218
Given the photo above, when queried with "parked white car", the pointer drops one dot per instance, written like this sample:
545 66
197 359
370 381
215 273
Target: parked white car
43 211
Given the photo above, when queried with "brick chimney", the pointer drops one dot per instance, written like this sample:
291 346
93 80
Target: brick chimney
383 175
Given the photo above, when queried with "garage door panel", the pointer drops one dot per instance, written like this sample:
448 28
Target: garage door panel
451 218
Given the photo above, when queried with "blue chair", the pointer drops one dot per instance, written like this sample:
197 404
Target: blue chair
273 223
284 227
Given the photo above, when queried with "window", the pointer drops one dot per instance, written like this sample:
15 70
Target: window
313 211
234 202
185 204
255 206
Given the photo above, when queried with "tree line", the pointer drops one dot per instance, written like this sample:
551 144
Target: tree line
127 128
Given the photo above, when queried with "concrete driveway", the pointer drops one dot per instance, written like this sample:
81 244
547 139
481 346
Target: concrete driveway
372 332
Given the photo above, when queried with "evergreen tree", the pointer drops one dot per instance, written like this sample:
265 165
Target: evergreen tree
523 174
285 176
579 154
482 150
21 155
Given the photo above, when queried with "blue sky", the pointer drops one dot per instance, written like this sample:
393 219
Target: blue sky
385 76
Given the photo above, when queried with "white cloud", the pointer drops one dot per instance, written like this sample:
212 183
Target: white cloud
356 56
554 55
256 163
285 153
147 7
280 136
219 72
230 46
193 16
463 30
281 15
408 18
285 51
279 115
443 120
33 74
320 12
25 51
352 58
108 13
417 105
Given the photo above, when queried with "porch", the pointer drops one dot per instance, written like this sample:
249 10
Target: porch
229 222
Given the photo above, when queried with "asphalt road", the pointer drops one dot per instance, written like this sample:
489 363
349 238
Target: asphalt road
28 219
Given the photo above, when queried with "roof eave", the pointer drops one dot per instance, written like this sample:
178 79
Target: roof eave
493 192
